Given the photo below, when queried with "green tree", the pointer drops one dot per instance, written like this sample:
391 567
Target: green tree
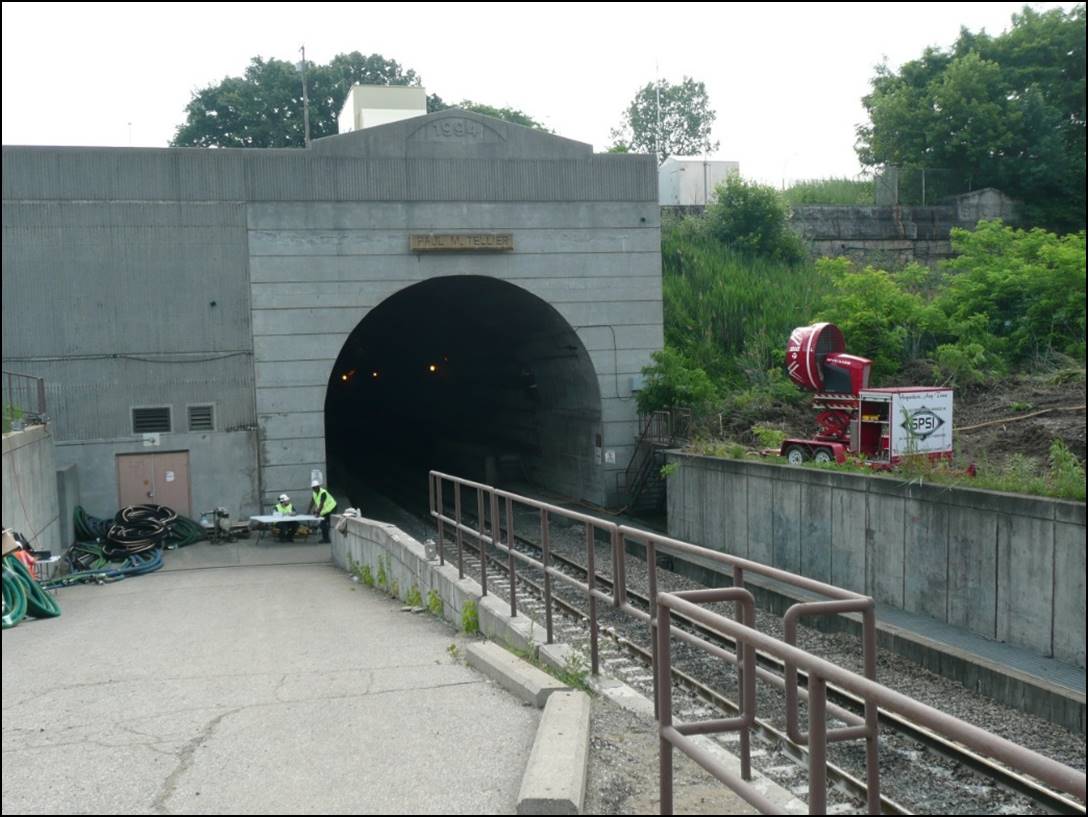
752 218
686 120
264 107
1005 111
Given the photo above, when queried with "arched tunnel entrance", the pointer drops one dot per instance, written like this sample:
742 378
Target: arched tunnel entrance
466 374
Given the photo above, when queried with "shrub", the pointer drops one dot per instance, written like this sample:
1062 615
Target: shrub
769 437
1022 290
470 618
752 218
673 381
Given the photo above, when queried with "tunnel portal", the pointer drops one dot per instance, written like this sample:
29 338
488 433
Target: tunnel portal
466 374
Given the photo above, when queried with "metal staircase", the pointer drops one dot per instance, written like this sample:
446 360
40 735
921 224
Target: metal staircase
658 431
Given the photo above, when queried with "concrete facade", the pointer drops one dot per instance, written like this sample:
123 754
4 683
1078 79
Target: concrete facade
1008 567
30 487
231 277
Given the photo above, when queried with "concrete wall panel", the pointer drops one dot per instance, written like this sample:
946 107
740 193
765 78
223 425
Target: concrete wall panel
849 543
972 573
1025 580
786 523
926 553
885 547
222 470
816 522
1005 566
1069 584
760 503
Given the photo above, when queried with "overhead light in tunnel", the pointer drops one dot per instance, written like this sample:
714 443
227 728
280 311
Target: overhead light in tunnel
374 374
433 368
346 376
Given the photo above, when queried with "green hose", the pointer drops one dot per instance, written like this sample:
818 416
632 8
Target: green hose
14 597
37 603
184 532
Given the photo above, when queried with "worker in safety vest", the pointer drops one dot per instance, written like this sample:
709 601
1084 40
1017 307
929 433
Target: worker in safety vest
322 505
286 530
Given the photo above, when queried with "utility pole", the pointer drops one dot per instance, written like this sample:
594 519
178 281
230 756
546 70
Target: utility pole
305 97
657 130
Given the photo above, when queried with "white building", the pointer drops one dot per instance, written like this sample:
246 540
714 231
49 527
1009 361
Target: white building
686 181
370 105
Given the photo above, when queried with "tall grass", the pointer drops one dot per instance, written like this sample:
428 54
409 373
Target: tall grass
830 191
728 312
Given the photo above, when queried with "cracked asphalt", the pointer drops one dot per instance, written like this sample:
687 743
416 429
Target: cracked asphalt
251 690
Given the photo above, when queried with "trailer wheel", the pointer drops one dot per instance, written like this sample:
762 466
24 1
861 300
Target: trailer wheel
795 455
822 455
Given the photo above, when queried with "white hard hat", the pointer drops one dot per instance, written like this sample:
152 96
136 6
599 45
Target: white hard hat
284 498
315 484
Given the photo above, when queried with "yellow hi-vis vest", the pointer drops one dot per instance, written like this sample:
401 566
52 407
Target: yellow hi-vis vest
324 502
285 509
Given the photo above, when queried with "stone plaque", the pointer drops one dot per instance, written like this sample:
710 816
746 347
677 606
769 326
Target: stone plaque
462 242
455 130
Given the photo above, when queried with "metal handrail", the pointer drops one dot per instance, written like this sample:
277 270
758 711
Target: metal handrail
820 673
25 394
839 600
489 497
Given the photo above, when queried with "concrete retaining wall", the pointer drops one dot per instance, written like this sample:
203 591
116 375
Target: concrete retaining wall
897 235
365 541
1008 567
30 487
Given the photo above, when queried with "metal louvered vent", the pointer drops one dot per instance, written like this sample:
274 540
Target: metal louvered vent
202 418
147 420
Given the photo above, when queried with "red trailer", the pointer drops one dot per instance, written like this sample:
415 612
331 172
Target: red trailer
883 425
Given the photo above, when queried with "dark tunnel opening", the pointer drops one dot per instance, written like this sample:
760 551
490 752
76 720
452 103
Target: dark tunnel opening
469 375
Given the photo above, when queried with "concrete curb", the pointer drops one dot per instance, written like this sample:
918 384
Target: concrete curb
555 778
518 677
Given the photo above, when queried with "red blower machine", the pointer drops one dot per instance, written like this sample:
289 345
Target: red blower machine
881 425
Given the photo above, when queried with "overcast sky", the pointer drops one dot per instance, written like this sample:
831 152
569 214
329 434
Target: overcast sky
785 79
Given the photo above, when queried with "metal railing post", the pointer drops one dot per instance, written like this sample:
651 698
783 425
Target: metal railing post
481 515
746 676
545 542
872 715
591 570
460 537
439 490
513 562
619 581
651 578
817 745
663 700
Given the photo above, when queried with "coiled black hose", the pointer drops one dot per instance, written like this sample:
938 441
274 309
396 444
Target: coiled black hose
146 514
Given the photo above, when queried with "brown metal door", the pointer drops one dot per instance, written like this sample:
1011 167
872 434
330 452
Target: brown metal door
135 479
155 479
172 481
